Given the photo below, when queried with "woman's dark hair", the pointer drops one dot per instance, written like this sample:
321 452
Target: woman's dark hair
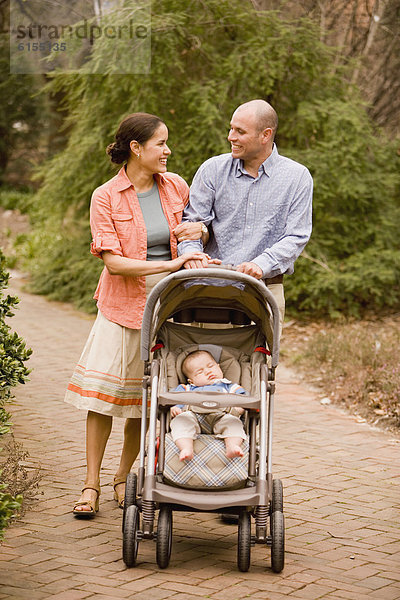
138 126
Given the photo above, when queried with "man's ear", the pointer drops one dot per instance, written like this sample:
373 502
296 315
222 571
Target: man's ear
266 135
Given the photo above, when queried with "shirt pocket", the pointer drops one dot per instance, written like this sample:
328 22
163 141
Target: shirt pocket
177 212
123 223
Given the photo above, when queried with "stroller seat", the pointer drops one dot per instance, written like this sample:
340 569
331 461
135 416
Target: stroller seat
210 468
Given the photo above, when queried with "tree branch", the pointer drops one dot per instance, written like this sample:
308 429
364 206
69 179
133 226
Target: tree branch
316 261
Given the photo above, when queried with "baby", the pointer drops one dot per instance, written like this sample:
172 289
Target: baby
204 375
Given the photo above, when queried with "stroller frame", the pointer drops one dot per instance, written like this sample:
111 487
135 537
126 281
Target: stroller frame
262 497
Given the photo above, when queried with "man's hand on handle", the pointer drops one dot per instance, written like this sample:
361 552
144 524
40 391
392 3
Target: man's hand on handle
250 268
202 260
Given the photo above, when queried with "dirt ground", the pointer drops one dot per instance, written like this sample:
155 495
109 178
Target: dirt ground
368 388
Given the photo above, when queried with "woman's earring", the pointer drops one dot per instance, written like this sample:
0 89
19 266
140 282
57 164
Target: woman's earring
138 155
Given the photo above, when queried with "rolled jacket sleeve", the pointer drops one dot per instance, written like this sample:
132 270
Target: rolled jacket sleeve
104 235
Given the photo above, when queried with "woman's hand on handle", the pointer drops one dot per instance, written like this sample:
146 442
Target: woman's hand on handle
201 262
188 257
132 267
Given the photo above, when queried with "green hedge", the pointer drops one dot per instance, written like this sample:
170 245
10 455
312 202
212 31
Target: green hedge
12 199
13 371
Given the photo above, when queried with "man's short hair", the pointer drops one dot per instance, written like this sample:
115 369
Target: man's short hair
266 116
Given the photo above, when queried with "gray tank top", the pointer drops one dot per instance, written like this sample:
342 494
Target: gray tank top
158 246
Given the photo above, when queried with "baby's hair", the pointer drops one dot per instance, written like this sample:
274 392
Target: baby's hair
189 358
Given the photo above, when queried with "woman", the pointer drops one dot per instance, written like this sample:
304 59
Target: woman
133 218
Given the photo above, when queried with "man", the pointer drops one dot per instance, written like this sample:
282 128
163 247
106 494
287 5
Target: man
257 202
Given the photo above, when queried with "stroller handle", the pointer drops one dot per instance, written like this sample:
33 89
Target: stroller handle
227 267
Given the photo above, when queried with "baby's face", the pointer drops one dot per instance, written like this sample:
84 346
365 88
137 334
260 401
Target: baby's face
203 370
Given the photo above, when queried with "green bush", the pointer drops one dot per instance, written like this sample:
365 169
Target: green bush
70 273
9 505
11 199
13 355
360 284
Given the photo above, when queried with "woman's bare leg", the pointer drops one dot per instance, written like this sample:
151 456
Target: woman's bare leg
98 429
130 450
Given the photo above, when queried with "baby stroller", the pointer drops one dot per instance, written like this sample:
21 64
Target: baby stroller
247 348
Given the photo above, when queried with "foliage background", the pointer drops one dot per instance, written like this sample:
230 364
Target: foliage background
207 58
331 71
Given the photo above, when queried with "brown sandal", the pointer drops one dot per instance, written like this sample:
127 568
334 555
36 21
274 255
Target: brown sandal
119 497
94 508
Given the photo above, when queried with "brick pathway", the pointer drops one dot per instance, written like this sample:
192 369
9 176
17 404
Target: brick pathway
341 500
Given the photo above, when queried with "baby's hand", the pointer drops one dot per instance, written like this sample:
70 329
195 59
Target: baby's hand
175 410
239 410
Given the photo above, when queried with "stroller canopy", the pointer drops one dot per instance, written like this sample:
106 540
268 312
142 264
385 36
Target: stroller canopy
206 291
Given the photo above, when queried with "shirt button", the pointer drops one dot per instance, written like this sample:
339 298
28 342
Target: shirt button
251 204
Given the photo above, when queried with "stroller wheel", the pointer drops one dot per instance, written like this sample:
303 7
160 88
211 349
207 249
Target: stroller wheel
277 495
130 539
164 537
244 542
278 541
130 495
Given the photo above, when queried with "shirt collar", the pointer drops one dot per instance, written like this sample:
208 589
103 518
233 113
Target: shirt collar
267 165
123 182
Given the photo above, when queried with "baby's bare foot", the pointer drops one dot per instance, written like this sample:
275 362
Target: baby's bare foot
186 454
233 451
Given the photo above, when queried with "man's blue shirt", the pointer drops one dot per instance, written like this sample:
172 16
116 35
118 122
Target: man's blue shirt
266 220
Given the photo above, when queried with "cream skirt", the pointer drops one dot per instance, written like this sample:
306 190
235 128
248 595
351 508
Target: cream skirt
108 377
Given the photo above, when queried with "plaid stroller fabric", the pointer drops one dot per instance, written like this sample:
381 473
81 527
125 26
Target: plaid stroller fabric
204 424
209 469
